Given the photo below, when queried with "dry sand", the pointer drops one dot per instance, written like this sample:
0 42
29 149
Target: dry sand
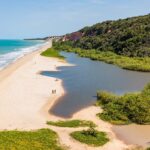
25 98
23 91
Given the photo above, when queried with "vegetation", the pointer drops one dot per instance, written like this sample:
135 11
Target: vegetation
134 63
43 139
51 52
125 42
128 37
72 123
91 137
125 109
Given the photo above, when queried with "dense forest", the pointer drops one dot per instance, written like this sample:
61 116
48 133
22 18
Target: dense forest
128 37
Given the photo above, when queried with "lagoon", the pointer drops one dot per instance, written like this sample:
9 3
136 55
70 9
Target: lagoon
85 77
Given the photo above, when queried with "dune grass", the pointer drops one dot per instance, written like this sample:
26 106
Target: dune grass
51 52
72 123
43 139
90 137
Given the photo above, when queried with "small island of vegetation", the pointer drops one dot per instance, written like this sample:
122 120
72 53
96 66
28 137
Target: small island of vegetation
72 123
90 137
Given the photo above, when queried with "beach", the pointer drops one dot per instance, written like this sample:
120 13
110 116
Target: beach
26 96
23 91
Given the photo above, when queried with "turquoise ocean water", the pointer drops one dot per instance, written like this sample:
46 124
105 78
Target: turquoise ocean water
11 50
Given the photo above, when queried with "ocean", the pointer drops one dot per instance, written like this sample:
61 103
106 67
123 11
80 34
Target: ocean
11 50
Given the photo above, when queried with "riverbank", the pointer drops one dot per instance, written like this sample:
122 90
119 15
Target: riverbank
129 63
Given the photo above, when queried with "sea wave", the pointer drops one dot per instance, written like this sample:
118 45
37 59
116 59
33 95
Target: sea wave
8 58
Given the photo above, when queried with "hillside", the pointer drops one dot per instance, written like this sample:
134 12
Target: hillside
128 37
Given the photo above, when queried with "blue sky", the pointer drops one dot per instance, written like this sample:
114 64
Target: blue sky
39 18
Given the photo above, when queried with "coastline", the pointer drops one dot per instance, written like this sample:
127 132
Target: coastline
26 98
23 91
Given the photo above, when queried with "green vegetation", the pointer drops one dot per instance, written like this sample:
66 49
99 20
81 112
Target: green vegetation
125 109
125 42
43 139
72 123
134 63
91 137
52 53
128 37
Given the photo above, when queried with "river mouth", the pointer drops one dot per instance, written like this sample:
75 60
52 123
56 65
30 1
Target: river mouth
85 78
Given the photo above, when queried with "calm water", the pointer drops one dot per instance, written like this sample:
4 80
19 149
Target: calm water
10 50
85 78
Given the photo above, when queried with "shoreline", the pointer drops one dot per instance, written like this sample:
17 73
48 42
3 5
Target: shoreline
20 61
23 91
26 98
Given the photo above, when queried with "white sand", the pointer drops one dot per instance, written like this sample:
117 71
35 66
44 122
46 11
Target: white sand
23 91
25 98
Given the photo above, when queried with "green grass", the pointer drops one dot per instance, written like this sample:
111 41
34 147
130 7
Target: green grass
43 139
72 123
127 108
51 52
130 63
90 137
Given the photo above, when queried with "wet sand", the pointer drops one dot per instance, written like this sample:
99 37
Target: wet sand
134 134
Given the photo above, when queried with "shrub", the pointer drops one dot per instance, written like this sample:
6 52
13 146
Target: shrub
128 108
90 137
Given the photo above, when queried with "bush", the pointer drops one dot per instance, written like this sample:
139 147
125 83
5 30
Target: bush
128 108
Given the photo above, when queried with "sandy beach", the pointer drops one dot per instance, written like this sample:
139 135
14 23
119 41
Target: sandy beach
23 91
25 98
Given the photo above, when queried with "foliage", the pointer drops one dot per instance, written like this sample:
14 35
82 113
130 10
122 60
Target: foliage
125 109
128 37
91 137
72 123
52 53
43 139
134 63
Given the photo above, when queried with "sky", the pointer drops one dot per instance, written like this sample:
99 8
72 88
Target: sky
40 18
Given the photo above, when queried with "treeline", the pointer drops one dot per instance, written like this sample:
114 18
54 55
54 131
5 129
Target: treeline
128 37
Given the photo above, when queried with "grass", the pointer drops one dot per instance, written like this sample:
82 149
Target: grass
51 52
130 63
90 137
127 108
72 123
43 139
